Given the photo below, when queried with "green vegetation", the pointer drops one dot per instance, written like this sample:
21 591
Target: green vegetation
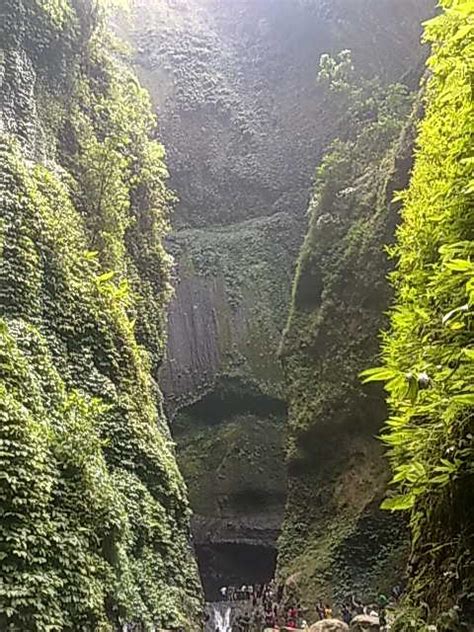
336 471
240 114
94 526
428 352
243 274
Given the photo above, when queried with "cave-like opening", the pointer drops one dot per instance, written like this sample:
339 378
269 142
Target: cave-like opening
234 564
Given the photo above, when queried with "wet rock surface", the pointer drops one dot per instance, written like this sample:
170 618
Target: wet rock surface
245 126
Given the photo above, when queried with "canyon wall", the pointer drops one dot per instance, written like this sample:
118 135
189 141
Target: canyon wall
95 526
336 541
245 124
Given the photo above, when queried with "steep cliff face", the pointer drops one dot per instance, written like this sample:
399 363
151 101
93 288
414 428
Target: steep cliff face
242 118
245 125
95 518
224 386
335 539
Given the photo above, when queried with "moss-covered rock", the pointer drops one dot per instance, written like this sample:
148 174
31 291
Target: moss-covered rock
428 357
95 516
233 288
242 118
335 540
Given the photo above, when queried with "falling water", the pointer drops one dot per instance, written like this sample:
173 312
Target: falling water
222 619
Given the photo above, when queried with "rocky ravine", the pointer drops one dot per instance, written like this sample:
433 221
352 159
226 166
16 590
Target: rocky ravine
245 125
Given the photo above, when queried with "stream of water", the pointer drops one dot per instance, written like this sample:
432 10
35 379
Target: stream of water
219 618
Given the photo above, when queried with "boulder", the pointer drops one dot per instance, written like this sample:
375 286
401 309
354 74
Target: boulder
329 625
365 623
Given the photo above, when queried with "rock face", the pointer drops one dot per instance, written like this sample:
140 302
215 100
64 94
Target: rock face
329 625
245 125
234 84
98 530
224 387
335 539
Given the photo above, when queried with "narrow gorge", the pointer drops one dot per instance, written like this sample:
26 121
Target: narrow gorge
225 225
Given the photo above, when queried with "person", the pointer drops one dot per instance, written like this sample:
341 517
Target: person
223 592
258 617
327 611
396 592
300 616
269 619
382 600
280 591
346 614
320 610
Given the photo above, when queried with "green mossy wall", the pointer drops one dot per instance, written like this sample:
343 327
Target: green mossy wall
228 470
232 290
95 520
242 119
335 540
245 124
225 324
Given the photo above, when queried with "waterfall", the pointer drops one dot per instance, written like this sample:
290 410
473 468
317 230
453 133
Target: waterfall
222 619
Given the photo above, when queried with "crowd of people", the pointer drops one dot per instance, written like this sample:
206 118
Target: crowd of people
269 606
263 608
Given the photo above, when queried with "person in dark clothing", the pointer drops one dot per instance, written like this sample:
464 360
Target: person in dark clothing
346 614
357 605
320 610
280 591
270 619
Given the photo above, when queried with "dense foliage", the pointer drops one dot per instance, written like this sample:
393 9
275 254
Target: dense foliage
428 351
94 514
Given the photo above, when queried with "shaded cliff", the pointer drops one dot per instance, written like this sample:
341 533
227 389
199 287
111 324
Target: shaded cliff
245 124
224 386
95 517
335 540
242 118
